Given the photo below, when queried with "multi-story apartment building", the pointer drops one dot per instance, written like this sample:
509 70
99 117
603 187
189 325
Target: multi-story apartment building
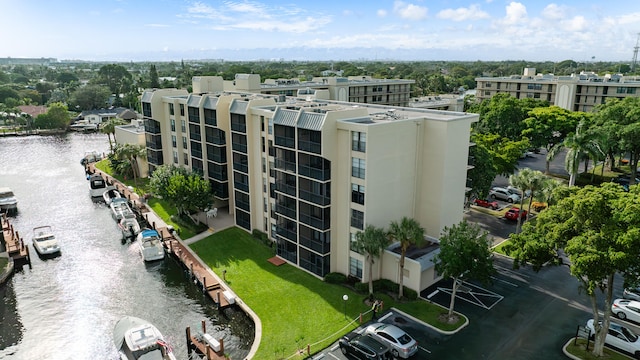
312 173
577 92
360 89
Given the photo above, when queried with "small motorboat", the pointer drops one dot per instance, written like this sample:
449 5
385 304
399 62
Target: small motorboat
8 201
90 157
150 243
97 186
111 194
136 339
129 227
120 209
44 241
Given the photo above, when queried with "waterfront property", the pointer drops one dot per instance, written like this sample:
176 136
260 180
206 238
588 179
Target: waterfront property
311 173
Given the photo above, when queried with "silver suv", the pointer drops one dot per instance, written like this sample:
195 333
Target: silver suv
503 194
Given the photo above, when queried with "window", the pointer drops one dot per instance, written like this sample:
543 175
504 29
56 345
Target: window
183 125
357 193
173 124
357 168
358 141
175 157
184 142
173 141
181 109
186 158
357 219
171 110
355 267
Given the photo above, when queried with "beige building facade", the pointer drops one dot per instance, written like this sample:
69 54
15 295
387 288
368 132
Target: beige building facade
311 172
577 92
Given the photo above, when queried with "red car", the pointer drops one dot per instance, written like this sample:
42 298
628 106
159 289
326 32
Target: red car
513 214
486 203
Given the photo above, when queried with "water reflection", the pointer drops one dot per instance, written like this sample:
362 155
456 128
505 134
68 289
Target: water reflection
66 307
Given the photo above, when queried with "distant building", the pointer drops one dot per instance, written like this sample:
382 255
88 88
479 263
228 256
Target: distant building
360 89
33 110
27 61
576 92
311 172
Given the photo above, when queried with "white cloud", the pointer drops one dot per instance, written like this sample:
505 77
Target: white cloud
473 12
515 13
410 11
251 15
578 23
381 13
554 12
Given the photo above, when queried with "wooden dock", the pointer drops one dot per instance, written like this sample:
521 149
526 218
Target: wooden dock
199 344
15 246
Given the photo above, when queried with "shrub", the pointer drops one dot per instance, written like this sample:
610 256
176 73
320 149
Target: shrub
538 206
385 285
362 287
409 293
335 278
262 237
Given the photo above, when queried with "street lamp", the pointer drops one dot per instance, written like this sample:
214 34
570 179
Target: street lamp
345 297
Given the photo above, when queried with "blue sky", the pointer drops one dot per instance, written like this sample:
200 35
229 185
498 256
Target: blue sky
137 30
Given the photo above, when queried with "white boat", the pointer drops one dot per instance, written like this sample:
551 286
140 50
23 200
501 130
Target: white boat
97 186
129 227
84 126
91 157
111 194
44 241
120 209
150 244
136 339
8 201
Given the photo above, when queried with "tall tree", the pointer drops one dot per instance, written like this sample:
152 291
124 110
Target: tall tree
547 126
527 181
188 192
109 128
505 115
90 97
115 77
579 145
132 153
483 172
153 77
598 228
503 151
465 252
56 117
371 242
408 232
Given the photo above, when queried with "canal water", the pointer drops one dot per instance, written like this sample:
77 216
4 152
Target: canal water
66 307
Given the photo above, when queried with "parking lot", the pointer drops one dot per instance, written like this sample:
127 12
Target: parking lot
521 314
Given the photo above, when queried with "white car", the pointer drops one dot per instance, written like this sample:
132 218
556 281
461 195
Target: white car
631 293
401 344
626 309
621 338
503 194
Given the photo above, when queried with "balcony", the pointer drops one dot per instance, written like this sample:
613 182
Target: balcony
289 234
314 198
285 211
285 188
314 173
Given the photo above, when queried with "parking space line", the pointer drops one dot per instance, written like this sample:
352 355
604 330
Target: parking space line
506 282
421 348
335 357
432 294
473 295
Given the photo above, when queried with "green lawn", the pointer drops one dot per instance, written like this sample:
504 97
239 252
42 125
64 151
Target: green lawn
3 263
580 351
295 308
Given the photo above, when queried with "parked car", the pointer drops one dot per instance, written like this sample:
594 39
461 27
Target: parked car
624 180
518 192
620 337
364 347
626 309
486 203
402 345
632 293
504 195
514 212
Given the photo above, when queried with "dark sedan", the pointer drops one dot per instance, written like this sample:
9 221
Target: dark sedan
364 347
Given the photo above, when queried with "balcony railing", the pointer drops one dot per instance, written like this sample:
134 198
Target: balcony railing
289 234
287 189
314 198
314 222
283 210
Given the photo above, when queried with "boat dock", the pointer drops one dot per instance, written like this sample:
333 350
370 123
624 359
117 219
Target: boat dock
198 272
14 244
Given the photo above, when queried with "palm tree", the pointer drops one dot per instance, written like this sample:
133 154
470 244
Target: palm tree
578 145
109 128
371 242
527 181
132 153
408 232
